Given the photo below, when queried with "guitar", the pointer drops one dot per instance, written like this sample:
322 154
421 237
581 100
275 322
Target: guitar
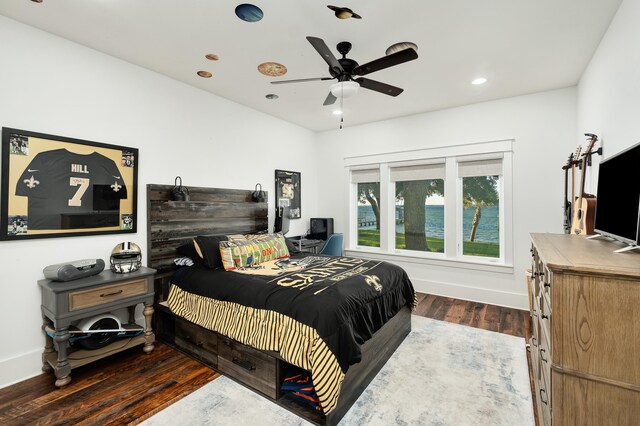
567 201
584 206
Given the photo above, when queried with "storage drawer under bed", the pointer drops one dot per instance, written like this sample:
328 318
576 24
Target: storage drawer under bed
197 340
250 366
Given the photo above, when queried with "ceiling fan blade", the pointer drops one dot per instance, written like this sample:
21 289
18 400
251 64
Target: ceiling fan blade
387 89
386 62
300 80
326 54
330 99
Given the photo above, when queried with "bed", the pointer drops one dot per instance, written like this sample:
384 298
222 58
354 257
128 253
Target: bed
339 318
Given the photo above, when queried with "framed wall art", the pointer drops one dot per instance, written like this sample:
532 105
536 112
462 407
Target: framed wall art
288 192
54 186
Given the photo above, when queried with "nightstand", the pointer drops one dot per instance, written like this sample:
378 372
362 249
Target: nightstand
66 302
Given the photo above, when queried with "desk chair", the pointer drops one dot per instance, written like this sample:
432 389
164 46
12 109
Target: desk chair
333 245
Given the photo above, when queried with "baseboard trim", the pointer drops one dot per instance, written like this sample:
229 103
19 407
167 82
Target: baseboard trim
474 294
21 367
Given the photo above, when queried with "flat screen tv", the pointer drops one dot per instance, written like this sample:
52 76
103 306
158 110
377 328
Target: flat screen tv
618 206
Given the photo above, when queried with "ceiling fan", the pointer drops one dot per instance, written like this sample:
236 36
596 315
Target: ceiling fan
344 70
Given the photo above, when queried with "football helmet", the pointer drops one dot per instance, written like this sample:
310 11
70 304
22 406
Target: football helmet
126 257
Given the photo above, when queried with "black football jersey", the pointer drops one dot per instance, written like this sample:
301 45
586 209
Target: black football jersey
68 190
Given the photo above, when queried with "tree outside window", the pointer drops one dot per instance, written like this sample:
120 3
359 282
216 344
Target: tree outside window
481 212
368 203
420 215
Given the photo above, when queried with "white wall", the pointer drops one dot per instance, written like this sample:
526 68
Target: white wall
609 90
541 124
53 86
50 85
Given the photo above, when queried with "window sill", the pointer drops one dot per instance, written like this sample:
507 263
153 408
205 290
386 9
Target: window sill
437 260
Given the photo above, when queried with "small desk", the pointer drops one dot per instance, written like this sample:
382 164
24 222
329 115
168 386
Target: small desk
307 248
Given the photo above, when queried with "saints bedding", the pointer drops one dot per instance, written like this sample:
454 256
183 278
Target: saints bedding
314 311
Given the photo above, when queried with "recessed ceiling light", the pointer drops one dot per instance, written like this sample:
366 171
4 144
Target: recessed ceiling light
211 57
272 69
337 112
479 81
272 96
205 74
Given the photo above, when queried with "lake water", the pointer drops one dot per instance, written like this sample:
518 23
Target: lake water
488 230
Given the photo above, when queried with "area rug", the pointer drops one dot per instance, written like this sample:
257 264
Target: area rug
442 374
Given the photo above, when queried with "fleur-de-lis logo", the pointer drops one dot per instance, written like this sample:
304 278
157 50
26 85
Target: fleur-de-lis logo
116 187
373 281
31 183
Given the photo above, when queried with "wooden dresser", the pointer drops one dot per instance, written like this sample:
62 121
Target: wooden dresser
585 344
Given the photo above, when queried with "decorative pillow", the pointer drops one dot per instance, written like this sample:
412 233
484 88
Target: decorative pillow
189 250
208 248
247 250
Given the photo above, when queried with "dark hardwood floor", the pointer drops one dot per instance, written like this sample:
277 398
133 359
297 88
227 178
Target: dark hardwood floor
132 386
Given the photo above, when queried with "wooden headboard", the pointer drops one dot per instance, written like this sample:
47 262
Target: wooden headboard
210 211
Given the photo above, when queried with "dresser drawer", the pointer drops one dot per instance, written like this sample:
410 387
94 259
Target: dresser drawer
535 359
544 315
197 341
83 299
253 368
546 281
544 401
544 353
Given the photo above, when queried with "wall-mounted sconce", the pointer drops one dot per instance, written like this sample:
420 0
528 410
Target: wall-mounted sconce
179 192
259 196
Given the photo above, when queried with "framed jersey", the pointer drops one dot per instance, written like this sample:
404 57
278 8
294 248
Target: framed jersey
54 186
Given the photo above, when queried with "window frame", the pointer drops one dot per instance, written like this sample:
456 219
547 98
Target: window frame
451 156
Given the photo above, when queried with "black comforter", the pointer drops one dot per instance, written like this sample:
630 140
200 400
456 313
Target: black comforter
344 299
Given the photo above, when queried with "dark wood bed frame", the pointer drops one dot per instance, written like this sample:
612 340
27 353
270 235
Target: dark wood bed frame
215 211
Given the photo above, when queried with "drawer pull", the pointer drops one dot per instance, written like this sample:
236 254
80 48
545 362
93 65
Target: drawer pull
541 357
533 341
544 400
244 364
115 293
199 344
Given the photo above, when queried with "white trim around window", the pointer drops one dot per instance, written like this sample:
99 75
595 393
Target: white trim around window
450 163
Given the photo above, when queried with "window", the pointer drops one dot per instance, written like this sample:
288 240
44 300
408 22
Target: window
419 207
441 203
481 207
368 203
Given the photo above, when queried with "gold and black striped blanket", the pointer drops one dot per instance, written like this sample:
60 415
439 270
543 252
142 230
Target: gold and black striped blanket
315 312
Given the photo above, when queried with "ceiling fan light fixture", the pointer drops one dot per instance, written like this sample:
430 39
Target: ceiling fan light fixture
344 89
395 48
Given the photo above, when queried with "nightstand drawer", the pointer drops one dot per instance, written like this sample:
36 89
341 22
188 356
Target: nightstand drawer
106 294
252 367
